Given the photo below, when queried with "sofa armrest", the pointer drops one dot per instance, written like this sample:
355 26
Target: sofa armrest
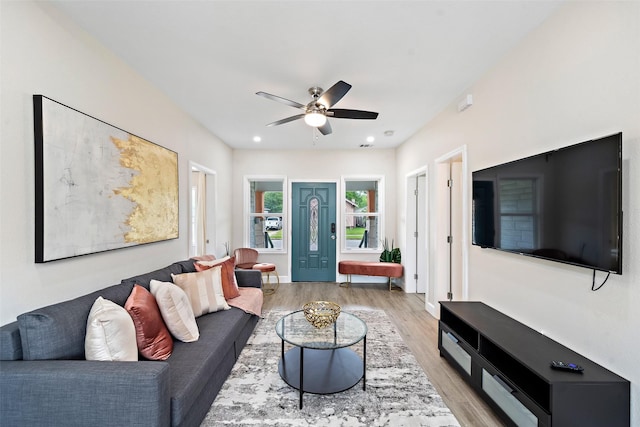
81 393
249 278
10 342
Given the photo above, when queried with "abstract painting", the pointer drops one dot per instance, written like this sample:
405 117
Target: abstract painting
97 187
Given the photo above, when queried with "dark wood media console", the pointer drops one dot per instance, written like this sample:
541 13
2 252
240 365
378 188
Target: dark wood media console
508 364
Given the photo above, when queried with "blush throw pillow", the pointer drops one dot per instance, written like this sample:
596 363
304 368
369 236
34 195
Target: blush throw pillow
176 310
229 283
204 290
111 335
153 337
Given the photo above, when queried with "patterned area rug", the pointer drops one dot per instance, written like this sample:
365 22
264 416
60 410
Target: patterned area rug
397 393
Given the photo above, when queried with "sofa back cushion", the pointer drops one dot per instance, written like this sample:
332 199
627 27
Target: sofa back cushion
187 265
58 331
162 275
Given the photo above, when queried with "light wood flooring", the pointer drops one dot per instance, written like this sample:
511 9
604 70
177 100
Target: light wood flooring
417 327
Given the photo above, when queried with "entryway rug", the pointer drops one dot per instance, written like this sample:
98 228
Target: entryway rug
397 393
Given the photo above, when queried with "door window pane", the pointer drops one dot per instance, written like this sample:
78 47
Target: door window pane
313 225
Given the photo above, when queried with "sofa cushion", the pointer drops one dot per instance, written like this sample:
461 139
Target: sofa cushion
204 290
214 352
186 266
176 310
152 335
163 275
111 335
58 331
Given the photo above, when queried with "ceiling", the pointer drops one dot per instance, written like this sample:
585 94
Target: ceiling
407 60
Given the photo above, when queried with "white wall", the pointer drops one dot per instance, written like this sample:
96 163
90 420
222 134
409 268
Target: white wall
43 53
314 165
574 78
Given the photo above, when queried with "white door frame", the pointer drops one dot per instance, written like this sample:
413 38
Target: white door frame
459 154
409 260
212 194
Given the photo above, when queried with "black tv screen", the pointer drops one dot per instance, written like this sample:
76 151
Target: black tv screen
564 205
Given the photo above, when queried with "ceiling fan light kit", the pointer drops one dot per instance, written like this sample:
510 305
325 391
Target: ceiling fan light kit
315 119
316 112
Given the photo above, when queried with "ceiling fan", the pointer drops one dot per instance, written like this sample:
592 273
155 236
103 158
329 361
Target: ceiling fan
316 112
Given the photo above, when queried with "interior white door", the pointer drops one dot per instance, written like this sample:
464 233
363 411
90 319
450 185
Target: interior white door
202 208
422 260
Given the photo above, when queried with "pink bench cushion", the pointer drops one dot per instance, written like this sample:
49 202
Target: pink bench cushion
367 268
264 267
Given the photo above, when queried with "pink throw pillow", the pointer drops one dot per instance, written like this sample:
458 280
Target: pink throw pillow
152 336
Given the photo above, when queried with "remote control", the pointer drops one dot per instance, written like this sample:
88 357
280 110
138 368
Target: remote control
572 367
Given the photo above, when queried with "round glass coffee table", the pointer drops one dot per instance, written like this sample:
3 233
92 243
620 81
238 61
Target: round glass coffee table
321 361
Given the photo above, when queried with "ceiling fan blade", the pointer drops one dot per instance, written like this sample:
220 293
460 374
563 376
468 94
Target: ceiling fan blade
287 120
340 113
286 101
325 129
334 94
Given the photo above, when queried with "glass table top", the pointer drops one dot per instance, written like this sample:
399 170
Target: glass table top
295 329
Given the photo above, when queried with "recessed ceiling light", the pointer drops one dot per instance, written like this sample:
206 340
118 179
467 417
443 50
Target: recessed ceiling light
388 133
257 139
370 139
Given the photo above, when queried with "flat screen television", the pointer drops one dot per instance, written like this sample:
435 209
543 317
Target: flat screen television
563 205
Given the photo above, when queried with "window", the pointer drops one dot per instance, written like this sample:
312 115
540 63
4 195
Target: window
362 214
265 206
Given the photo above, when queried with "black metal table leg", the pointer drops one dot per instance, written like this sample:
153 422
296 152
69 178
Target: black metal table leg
364 364
301 374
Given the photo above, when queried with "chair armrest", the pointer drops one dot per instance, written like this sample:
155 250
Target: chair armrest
81 393
249 278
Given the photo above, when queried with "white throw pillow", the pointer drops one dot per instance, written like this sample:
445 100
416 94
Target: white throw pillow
176 310
111 335
204 290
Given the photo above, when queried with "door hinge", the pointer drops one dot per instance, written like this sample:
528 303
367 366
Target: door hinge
449 239
415 276
415 192
415 234
449 183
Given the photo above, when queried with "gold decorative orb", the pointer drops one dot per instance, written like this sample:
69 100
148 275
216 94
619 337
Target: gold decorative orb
321 313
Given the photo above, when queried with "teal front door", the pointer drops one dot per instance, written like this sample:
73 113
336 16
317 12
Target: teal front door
313 232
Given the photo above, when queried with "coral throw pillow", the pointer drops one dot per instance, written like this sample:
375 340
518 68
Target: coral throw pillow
153 337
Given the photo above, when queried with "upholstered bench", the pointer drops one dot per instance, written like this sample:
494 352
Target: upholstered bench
369 268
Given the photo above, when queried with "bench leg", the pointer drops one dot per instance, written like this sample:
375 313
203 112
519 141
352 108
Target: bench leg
347 283
392 288
270 289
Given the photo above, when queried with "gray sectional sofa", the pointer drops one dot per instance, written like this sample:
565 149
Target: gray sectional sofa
44 379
